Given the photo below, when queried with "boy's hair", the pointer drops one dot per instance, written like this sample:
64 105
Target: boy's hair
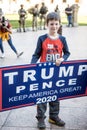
52 16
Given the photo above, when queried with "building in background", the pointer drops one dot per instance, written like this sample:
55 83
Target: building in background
12 6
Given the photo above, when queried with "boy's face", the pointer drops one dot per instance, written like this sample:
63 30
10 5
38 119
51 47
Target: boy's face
53 26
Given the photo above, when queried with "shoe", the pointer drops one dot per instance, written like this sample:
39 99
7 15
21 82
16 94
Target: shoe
41 124
18 55
3 55
57 121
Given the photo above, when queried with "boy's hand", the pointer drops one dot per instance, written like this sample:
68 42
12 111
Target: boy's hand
59 61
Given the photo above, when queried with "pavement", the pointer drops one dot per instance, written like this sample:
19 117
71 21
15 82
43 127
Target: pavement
72 111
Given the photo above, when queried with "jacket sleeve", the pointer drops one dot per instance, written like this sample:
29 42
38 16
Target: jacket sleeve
38 50
66 52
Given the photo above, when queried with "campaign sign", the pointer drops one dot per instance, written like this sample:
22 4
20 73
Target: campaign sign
31 84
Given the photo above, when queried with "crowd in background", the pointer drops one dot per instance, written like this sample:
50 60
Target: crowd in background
36 13
39 14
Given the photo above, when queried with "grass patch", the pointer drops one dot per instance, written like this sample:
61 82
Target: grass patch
15 23
82 20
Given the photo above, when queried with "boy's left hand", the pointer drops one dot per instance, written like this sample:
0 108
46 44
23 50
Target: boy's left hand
59 61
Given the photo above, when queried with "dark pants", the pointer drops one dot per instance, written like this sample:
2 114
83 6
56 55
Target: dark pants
53 110
69 18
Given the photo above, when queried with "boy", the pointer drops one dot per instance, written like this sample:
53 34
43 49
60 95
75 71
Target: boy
50 44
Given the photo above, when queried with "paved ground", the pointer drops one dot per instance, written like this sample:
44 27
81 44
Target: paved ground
72 111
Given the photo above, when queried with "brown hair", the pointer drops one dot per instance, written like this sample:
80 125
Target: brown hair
52 16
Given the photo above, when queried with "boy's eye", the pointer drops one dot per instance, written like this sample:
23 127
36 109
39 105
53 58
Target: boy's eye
53 24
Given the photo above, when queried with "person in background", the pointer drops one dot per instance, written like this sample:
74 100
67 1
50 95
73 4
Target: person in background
58 12
51 47
22 16
68 12
5 31
43 12
35 16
